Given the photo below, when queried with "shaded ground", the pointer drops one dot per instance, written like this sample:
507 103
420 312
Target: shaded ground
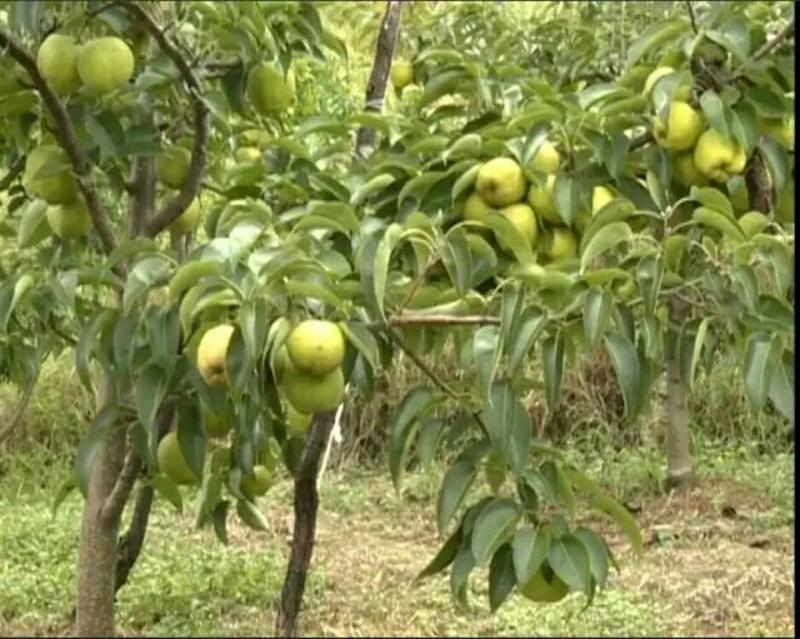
719 561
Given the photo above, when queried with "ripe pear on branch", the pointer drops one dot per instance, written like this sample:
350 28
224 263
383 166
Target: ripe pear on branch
57 61
402 73
69 221
268 91
718 157
211 354
682 128
501 182
105 64
48 175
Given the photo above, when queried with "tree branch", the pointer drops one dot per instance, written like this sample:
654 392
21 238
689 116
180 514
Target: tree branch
13 171
786 32
143 194
757 180
306 504
376 87
65 133
118 497
194 178
690 9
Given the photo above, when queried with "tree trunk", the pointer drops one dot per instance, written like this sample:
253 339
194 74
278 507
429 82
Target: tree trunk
757 180
376 88
306 502
98 544
680 475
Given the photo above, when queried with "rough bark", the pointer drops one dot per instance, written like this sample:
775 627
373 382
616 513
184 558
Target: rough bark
376 87
130 544
306 503
680 473
98 543
757 181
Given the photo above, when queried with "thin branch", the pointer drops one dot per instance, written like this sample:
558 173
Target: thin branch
690 8
786 32
13 171
116 500
441 384
65 133
142 194
176 206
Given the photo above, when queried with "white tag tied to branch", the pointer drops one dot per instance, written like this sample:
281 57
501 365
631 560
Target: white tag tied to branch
335 436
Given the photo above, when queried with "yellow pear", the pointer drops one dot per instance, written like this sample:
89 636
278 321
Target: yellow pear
601 195
685 171
171 461
187 221
211 353
57 186
562 245
542 198
297 424
546 159
501 182
682 129
247 154
105 64
268 90
172 165
475 209
310 393
718 157
524 220
57 61
402 73
260 482
316 346
69 221
545 586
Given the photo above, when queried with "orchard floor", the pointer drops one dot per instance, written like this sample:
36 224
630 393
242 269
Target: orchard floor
718 561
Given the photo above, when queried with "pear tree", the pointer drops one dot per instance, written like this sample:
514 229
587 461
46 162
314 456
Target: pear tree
220 303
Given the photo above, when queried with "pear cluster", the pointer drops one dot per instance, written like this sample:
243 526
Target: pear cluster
501 186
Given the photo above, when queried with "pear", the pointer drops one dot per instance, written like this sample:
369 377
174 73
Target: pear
69 221
562 245
247 154
682 93
105 64
211 354
402 73
187 221
601 195
57 60
685 171
718 157
53 186
316 346
542 199
546 159
172 166
524 220
501 182
268 91
475 209
682 129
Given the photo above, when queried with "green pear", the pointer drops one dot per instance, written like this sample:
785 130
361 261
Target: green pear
57 60
69 221
402 73
172 166
685 171
546 159
524 220
542 199
48 175
501 182
475 209
268 91
105 64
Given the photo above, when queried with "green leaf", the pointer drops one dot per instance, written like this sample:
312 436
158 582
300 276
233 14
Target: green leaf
191 273
596 314
569 560
250 515
465 181
141 278
168 490
626 366
457 259
383 255
620 515
508 424
363 339
373 186
781 388
447 553
653 37
106 132
716 112
649 275
486 353
192 437
778 162
529 327
151 388
430 434
530 549
404 428
219 518
598 558
63 491
463 565
455 485
761 360
493 527
33 225
712 198
553 362
604 239
501 577
510 236
566 197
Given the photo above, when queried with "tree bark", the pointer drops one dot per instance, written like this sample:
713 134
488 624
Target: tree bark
376 88
98 544
757 181
680 474
306 503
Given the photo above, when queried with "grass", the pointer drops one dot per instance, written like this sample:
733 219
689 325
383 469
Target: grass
705 572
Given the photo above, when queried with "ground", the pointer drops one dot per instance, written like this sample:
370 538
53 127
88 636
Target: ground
718 561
